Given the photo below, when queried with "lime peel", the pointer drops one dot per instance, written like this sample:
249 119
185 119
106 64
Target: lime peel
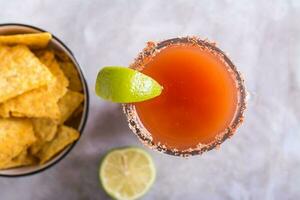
125 85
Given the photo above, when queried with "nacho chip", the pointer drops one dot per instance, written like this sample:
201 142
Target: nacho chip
23 159
45 131
78 111
41 102
15 136
20 71
46 56
44 128
36 147
32 40
72 74
4 112
35 85
62 56
65 136
68 104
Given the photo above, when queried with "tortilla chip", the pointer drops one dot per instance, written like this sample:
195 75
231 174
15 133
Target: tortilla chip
24 159
32 40
3 111
68 104
15 136
20 71
62 56
41 102
44 128
72 74
45 131
78 111
46 56
65 136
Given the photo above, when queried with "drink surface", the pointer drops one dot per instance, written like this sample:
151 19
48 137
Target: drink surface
198 101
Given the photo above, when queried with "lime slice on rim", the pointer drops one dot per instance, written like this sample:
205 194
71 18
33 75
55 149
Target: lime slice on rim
127 173
125 85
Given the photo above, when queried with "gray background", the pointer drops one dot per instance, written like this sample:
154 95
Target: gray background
263 39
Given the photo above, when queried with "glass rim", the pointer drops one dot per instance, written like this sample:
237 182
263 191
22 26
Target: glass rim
144 135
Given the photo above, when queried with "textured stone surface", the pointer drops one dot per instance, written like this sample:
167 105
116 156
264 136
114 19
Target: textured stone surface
262 37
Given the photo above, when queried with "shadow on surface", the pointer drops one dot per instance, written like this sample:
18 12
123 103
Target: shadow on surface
109 127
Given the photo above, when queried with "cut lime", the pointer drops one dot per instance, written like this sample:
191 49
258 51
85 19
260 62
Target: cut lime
124 85
127 173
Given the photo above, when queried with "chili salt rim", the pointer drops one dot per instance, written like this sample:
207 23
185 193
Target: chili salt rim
145 136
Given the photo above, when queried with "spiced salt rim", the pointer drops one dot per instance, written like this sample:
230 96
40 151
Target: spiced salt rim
145 136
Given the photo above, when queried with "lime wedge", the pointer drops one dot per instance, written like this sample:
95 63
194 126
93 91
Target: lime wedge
124 85
127 173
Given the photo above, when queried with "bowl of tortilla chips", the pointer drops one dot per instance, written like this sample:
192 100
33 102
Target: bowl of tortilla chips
43 100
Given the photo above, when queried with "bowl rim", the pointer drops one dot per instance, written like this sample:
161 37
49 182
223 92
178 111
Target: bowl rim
84 115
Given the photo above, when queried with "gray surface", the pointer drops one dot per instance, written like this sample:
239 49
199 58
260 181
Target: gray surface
263 39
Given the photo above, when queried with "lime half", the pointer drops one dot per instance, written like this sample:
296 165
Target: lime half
127 173
124 85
